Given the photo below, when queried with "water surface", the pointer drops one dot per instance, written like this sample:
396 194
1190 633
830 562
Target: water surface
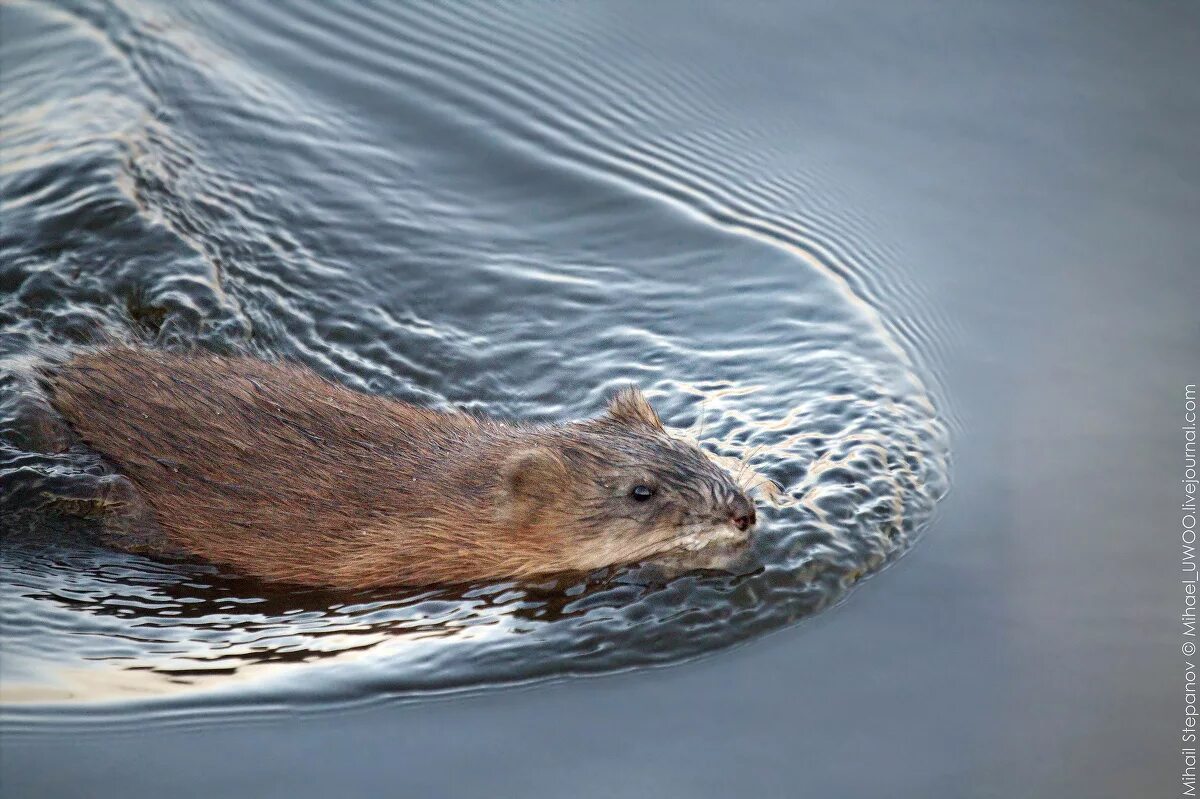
396 201
833 232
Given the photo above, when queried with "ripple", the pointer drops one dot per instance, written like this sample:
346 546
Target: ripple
450 206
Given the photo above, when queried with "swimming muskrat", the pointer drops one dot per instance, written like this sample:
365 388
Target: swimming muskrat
277 473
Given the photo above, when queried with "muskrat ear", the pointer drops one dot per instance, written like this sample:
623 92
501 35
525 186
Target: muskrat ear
631 407
531 479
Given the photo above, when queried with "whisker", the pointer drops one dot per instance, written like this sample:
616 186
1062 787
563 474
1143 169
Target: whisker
656 546
745 460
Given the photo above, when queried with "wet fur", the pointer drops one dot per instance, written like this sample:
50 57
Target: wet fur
270 469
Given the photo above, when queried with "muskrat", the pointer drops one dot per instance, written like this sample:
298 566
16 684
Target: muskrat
277 473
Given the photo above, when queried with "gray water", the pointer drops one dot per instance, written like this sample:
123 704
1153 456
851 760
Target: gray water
931 246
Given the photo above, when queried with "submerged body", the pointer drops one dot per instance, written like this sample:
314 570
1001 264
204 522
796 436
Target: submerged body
278 473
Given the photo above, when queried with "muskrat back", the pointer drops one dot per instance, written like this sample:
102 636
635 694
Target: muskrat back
276 472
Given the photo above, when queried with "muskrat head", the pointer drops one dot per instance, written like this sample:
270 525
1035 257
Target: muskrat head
619 488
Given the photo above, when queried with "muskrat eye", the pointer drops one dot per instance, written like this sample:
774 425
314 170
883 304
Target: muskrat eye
641 493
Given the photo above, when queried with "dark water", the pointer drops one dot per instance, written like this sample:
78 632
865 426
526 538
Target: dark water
840 242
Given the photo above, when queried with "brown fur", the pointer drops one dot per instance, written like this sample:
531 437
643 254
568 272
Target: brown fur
278 473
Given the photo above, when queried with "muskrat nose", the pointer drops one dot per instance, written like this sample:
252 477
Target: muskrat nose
743 516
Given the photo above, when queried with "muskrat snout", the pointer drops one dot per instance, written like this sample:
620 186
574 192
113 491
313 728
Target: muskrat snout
741 513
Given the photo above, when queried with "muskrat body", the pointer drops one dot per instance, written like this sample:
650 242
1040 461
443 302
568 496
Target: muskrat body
277 473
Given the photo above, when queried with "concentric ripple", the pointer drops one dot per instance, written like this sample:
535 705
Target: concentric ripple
463 206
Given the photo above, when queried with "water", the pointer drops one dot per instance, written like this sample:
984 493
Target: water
844 243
